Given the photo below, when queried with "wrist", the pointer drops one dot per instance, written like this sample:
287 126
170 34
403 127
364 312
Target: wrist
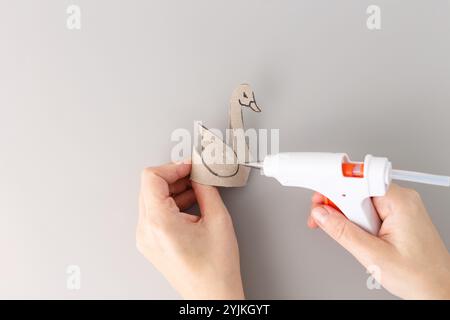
229 289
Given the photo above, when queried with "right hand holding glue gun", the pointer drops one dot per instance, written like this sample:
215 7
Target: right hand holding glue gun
384 226
410 257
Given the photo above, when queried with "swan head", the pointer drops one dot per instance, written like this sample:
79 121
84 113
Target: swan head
246 97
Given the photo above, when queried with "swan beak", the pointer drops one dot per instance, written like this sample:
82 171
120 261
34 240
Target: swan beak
254 106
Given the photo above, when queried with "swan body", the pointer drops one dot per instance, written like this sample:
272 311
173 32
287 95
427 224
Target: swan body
216 163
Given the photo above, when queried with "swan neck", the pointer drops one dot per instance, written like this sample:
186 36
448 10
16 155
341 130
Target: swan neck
236 121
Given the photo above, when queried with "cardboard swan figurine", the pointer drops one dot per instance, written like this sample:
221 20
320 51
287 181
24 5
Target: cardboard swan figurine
213 161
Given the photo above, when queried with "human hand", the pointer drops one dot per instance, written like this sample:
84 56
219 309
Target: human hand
198 255
413 261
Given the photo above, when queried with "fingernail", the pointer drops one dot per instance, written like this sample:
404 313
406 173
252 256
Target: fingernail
319 214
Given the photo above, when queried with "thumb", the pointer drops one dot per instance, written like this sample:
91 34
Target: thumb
208 199
365 247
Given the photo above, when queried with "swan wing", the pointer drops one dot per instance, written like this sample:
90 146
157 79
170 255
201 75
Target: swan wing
217 156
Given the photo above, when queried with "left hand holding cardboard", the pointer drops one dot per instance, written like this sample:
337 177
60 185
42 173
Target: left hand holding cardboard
198 255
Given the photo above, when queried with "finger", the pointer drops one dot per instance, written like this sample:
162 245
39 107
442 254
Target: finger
385 204
189 217
209 200
185 200
155 195
311 223
172 172
317 198
155 180
179 186
365 247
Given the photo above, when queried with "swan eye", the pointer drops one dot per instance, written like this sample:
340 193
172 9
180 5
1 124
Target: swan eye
245 95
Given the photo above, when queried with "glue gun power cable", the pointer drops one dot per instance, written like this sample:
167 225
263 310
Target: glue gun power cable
348 186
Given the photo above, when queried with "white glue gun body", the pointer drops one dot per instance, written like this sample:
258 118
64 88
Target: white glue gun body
349 185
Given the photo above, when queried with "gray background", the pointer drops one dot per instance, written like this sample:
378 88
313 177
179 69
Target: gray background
82 112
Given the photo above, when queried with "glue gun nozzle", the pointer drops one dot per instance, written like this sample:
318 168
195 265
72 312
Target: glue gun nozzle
255 165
